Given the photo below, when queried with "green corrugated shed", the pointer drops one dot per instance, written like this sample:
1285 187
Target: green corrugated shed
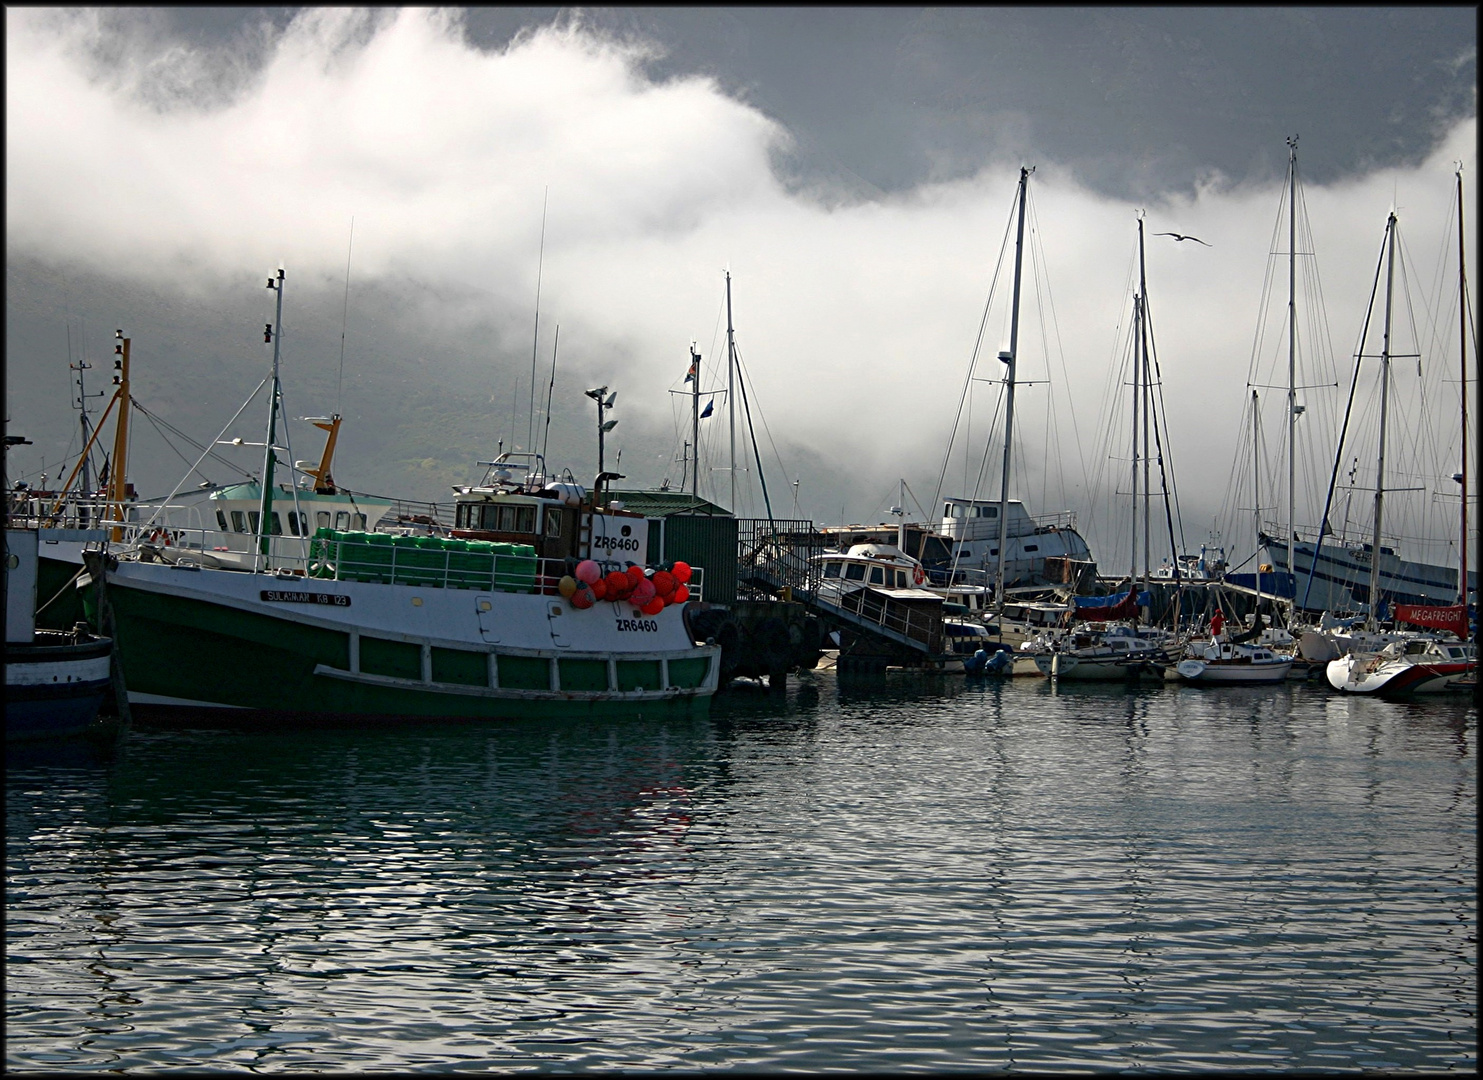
683 526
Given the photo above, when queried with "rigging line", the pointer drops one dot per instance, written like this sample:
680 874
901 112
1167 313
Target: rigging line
1170 488
550 389
194 444
344 323
176 490
1364 336
983 467
530 429
153 420
1060 351
762 417
983 323
756 454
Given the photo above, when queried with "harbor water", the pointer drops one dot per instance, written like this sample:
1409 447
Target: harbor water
887 873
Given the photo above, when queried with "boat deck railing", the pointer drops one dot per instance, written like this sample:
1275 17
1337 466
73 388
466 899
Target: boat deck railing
914 626
396 560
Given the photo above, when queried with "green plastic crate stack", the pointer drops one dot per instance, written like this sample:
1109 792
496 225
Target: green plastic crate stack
514 567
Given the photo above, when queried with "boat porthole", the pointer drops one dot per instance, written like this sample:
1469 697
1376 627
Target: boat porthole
416 601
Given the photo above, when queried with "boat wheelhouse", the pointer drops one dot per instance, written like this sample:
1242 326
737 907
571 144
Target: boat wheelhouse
972 527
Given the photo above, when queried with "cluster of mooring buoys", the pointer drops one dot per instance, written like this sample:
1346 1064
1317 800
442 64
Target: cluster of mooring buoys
649 591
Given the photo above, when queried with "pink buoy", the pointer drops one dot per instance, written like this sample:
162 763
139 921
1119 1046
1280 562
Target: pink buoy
642 593
588 571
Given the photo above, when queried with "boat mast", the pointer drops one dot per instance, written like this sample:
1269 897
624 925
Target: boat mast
1133 557
1390 227
1256 491
87 438
1462 311
271 333
1147 409
695 420
730 388
1292 340
1009 359
117 488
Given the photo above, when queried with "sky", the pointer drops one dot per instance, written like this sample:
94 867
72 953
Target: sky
446 188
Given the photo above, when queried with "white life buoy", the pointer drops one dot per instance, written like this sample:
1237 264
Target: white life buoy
918 574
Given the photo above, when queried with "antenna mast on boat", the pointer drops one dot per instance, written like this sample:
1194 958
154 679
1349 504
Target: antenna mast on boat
1390 227
117 488
1008 358
82 405
530 428
272 333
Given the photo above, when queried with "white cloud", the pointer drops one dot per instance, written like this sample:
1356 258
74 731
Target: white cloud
856 321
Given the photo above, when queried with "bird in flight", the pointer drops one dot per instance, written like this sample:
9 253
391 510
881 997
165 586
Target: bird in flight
1178 237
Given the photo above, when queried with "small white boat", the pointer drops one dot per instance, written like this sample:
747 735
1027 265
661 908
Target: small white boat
1225 663
1116 653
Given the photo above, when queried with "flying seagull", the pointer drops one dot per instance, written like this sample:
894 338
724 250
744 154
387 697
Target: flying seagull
1178 237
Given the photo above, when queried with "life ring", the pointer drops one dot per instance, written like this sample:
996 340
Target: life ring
918 574
160 536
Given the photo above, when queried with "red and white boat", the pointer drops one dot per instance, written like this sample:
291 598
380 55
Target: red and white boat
1411 666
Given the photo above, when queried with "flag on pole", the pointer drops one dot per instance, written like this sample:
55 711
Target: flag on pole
708 406
690 375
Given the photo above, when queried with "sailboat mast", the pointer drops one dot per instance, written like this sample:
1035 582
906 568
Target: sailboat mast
1292 340
1256 490
695 421
265 509
1390 227
1009 359
1137 337
731 387
1462 312
1143 348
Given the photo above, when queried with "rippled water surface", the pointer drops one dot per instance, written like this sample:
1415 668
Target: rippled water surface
886 874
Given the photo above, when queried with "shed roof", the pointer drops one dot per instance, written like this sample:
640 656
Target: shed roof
666 503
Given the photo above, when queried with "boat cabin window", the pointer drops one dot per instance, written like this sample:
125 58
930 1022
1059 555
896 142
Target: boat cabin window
952 510
877 575
322 519
1032 547
293 522
252 520
854 571
831 569
221 520
358 521
276 524
553 521
342 519
239 524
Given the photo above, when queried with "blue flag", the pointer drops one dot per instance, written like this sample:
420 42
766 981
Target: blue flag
708 406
